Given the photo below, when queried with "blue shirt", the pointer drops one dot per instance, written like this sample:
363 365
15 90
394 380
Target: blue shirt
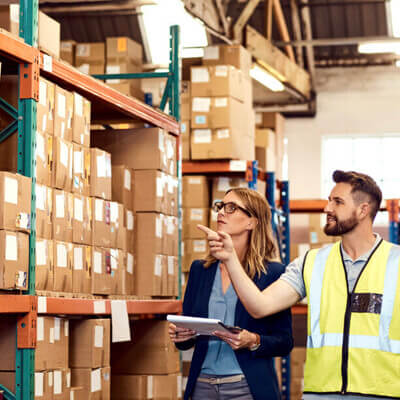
220 358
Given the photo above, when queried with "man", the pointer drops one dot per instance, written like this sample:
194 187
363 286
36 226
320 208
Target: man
353 291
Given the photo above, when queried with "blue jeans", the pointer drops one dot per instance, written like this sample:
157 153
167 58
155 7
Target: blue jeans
224 391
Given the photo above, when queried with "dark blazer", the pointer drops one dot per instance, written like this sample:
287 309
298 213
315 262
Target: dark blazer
275 332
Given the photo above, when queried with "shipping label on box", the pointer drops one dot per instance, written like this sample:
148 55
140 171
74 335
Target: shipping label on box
81 269
122 185
63 111
63 253
100 174
81 170
151 197
62 164
81 120
101 275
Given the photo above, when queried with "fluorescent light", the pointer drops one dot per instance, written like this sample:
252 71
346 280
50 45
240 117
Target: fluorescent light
398 63
265 78
394 13
379 47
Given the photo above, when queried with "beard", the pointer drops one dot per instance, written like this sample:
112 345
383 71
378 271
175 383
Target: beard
341 227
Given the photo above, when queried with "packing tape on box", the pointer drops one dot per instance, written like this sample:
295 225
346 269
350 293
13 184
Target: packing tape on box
78 258
57 329
114 259
158 265
78 209
150 387
68 379
50 378
98 336
129 218
39 329
66 328
200 75
41 252
51 335
98 209
211 53
11 248
171 265
64 154
61 255
130 261
97 262
159 226
10 190
221 70
57 382
95 381
39 383
127 179
179 384
78 104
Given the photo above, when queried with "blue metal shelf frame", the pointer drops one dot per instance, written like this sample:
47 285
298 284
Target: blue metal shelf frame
283 237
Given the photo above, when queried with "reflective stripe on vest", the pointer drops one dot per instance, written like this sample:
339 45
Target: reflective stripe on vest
382 342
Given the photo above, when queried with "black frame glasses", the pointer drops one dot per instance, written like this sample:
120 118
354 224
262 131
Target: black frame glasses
229 208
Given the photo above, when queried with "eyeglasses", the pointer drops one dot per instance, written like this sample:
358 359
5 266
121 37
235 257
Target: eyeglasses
229 207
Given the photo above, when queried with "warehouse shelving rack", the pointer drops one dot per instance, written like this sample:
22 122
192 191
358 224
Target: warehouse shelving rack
23 57
280 214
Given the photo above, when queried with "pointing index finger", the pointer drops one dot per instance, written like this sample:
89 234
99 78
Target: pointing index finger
209 232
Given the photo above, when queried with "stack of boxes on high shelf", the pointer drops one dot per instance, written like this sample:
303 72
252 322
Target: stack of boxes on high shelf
118 55
218 120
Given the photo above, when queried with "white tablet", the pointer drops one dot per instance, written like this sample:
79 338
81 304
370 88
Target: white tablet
202 326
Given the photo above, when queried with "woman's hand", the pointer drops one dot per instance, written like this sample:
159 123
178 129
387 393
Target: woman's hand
242 340
178 334
221 245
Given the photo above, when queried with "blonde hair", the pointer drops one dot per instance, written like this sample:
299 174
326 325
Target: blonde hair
262 245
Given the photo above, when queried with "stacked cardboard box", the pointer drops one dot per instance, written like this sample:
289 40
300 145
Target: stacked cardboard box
52 373
90 57
150 157
156 374
67 51
185 99
123 56
90 357
48 29
222 116
269 142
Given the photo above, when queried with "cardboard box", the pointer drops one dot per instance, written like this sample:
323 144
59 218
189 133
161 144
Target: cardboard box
90 380
81 170
14 260
44 264
118 266
149 233
82 220
123 67
213 224
48 29
171 199
125 276
170 146
91 68
82 269
89 343
45 107
167 387
63 253
121 49
152 345
77 393
191 217
90 55
101 272
122 185
152 194
195 192
15 202
148 274
221 144
185 139
44 150
67 51
129 88
63 212
116 224
44 211
172 279
63 110
81 120
101 228
100 174
221 184
132 387
172 235
265 138
193 249
235 55
105 383
217 81
62 164
266 158
62 384
129 224
139 149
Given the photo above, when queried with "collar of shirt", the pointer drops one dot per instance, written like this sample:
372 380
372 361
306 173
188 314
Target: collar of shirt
365 256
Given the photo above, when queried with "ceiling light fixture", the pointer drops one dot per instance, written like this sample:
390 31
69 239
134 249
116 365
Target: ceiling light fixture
379 47
262 76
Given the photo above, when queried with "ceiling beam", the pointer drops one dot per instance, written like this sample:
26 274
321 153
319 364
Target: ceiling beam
297 31
306 18
277 63
268 18
244 16
206 11
346 41
222 16
282 27
87 7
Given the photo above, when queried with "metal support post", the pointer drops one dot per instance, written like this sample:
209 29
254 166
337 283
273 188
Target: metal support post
393 210
252 174
271 197
28 24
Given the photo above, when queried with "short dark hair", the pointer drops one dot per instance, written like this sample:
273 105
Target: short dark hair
361 183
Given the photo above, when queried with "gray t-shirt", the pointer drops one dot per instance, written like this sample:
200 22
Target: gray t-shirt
294 276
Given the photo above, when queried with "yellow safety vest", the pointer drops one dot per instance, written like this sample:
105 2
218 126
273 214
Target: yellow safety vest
353 343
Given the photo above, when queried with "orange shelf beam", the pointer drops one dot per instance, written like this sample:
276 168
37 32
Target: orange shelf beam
17 304
16 49
97 91
66 306
305 206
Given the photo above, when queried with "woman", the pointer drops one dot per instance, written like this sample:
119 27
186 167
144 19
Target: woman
241 362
